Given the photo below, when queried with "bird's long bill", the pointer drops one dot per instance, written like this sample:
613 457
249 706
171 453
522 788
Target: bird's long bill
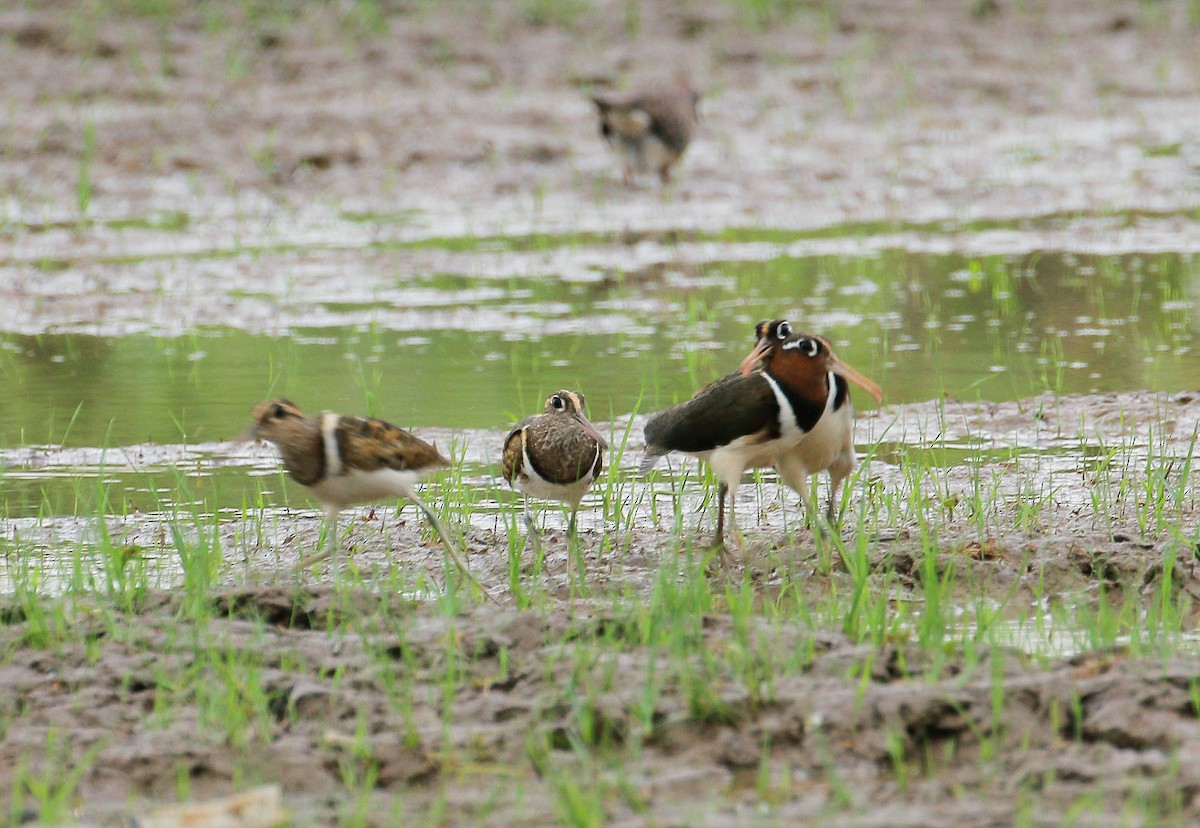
591 430
754 357
856 378
250 435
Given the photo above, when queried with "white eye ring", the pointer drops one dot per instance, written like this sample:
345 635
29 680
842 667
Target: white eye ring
784 330
809 347
557 403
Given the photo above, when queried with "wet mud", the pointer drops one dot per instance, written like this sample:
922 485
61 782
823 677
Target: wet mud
877 735
346 703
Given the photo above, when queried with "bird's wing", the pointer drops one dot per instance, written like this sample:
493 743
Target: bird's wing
624 115
671 117
513 457
734 406
368 444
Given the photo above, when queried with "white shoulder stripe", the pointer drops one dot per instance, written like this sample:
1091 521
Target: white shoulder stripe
333 458
787 417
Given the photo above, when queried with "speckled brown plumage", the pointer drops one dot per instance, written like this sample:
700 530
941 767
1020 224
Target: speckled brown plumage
650 129
363 443
369 444
345 461
557 454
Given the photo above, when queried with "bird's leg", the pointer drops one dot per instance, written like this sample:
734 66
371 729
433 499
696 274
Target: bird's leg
571 529
810 513
628 178
835 483
738 539
530 521
530 525
449 545
664 173
330 545
574 553
719 541
531 530
796 477
837 473
331 519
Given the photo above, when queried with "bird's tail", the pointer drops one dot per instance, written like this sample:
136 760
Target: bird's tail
602 103
650 459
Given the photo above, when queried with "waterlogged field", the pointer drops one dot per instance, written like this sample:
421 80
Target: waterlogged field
470 350
1002 630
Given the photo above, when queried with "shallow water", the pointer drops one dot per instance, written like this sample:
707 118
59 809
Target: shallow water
478 350
483 351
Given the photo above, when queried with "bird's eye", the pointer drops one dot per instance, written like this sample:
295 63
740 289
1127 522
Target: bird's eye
784 330
556 402
809 347
278 412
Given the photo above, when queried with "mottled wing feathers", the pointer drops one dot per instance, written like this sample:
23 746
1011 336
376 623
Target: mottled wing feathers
512 460
668 114
369 444
672 117
732 407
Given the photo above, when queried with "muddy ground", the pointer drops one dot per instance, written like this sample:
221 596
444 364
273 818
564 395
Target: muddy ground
267 129
1100 726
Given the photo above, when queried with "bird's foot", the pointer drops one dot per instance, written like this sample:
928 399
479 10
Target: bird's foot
312 560
717 558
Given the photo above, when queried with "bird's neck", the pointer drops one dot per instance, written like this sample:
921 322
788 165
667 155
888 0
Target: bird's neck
303 452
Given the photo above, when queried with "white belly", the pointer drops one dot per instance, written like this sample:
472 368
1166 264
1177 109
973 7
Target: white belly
728 462
357 486
829 445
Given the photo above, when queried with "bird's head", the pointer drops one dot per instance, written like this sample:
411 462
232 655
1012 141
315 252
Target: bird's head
783 351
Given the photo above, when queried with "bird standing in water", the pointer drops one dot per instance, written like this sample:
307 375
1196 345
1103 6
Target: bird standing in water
791 389
557 454
649 129
347 461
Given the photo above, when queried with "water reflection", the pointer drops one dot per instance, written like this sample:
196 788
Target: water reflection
460 351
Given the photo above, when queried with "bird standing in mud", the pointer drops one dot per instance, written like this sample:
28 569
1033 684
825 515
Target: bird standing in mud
829 445
347 461
649 129
791 389
557 454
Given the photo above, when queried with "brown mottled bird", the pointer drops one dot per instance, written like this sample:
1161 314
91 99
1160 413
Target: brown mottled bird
557 454
767 416
649 129
346 461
